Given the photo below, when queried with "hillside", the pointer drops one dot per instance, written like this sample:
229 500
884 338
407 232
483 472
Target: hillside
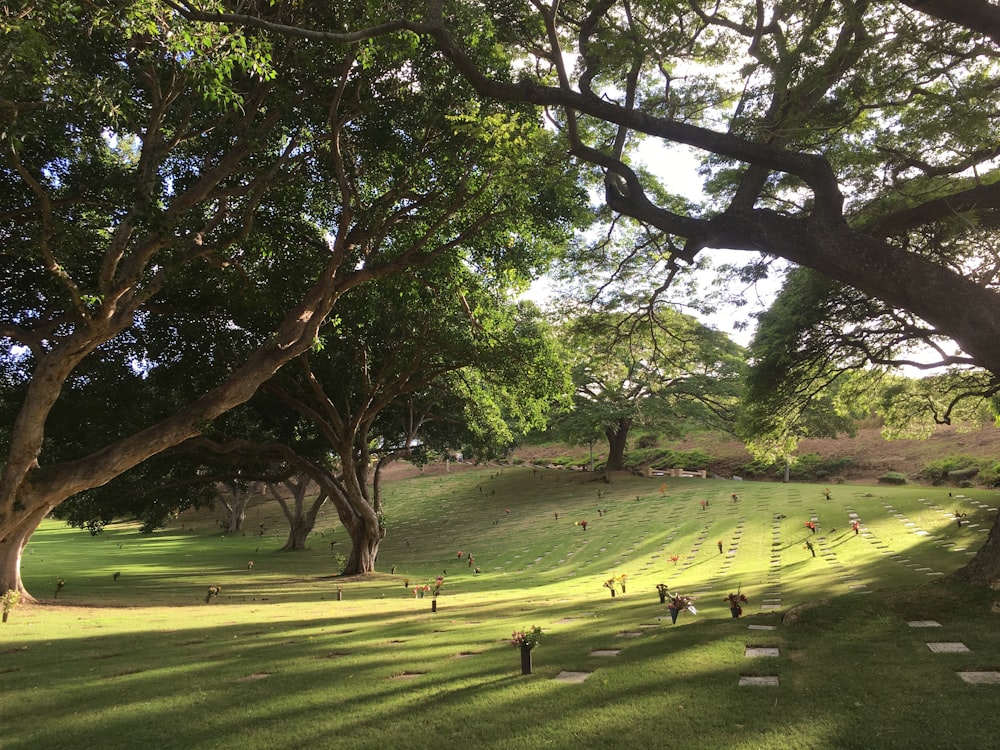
869 454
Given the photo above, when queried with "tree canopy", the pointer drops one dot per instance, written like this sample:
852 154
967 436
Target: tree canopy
855 138
665 373
154 166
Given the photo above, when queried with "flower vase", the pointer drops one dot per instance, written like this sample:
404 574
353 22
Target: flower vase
525 659
5 614
434 605
340 596
663 598
612 593
673 614
737 611
623 588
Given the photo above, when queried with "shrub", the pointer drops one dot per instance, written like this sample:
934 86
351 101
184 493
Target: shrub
963 475
990 475
937 472
693 459
814 466
562 461
892 477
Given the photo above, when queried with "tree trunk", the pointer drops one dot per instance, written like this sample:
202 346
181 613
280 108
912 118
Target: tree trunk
984 568
365 541
237 517
12 546
617 439
301 522
237 508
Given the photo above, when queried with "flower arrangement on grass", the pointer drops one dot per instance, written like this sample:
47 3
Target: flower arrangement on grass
610 585
212 591
677 603
616 581
10 599
526 638
663 591
437 587
419 590
674 558
736 602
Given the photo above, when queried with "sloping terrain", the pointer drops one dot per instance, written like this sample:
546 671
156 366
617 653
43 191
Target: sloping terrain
871 455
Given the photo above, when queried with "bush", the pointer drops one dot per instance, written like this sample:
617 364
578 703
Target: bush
990 475
963 475
892 477
814 466
936 472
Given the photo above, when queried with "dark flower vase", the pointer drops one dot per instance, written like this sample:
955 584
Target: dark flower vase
434 605
663 598
737 611
525 659
612 593
673 614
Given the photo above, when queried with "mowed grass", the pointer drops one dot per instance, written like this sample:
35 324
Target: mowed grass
276 661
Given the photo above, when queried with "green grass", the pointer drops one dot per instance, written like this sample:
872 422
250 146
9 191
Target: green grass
277 662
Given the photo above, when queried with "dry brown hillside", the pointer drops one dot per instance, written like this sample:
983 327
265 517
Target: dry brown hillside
872 455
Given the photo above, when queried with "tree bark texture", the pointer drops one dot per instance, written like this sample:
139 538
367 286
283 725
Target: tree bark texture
617 441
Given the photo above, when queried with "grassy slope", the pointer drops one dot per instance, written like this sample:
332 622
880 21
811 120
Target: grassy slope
277 661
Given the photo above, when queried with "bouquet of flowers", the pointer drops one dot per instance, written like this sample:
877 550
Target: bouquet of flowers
526 638
736 602
677 602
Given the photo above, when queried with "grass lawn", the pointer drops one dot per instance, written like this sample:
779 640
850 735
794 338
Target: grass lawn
277 661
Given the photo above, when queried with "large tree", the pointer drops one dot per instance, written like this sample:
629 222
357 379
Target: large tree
665 373
853 137
410 363
147 159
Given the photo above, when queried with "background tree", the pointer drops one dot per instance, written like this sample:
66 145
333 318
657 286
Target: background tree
664 373
825 355
406 363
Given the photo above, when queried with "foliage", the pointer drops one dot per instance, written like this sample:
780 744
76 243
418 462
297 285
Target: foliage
658 373
798 384
913 407
814 466
183 205
10 600
892 477
853 138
